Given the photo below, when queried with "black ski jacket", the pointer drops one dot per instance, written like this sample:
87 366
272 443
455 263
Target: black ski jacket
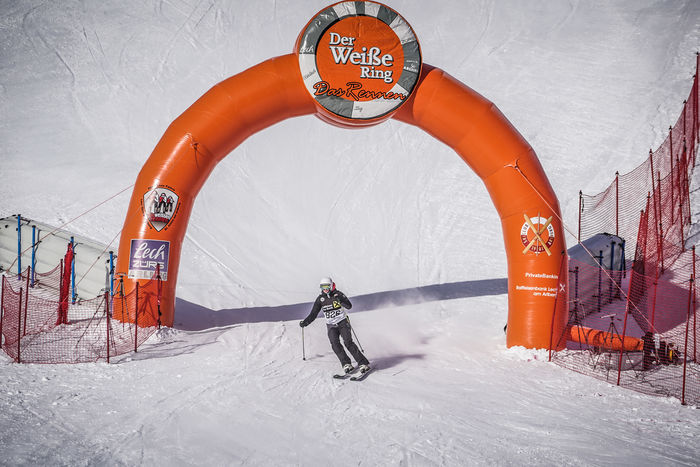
333 306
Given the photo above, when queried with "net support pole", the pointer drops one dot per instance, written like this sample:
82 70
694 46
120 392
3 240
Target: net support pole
681 202
660 249
576 291
684 187
111 273
26 303
107 297
19 327
670 140
33 253
623 262
136 320
2 306
627 311
19 246
160 290
624 331
653 303
687 328
580 210
600 278
697 102
653 191
60 280
612 272
564 261
617 204
695 315
72 271
123 302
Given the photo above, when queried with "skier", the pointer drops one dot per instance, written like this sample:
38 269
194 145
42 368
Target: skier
334 305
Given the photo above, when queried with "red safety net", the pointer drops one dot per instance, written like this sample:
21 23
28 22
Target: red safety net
637 326
32 332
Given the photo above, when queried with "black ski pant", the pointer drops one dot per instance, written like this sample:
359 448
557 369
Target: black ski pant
343 329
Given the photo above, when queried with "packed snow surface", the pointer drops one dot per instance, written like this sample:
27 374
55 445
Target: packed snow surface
396 218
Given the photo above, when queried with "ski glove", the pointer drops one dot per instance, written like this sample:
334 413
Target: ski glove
303 323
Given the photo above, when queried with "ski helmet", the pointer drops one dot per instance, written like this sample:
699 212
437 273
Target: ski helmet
327 284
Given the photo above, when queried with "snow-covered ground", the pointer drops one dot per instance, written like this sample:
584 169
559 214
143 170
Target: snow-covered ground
88 88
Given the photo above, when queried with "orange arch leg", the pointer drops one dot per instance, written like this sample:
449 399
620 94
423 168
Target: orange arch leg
185 156
464 120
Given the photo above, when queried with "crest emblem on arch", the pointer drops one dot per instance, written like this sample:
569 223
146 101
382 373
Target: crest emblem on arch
537 235
160 205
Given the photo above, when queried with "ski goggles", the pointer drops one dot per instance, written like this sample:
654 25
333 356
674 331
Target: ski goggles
325 287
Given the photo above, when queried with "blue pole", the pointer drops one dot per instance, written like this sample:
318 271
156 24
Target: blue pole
612 255
33 252
72 270
19 245
623 266
111 273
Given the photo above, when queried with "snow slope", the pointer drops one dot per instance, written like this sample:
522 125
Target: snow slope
88 88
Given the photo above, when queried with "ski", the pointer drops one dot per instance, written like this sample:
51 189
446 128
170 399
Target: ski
361 376
345 375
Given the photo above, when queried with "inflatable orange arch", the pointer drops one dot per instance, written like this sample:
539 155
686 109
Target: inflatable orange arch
355 64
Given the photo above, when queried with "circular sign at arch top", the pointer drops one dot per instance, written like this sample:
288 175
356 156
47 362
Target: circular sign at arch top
359 60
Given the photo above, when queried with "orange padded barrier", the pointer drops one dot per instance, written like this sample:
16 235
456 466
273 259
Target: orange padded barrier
606 340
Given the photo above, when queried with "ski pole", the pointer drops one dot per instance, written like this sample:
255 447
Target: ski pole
353 333
303 347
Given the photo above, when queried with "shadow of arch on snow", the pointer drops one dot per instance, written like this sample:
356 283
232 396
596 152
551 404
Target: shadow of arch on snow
192 317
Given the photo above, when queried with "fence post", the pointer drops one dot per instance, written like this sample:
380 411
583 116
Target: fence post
685 347
60 280
2 306
580 210
160 288
72 271
136 320
612 271
33 253
111 273
670 139
660 252
26 303
677 182
686 181
107 297
623 263
695 315
123 298
681 202
19 245
554 313
645 250
624 328
576 293
657 213
697 100
630 291
617 203
653 181
600 277
653 303
19 326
